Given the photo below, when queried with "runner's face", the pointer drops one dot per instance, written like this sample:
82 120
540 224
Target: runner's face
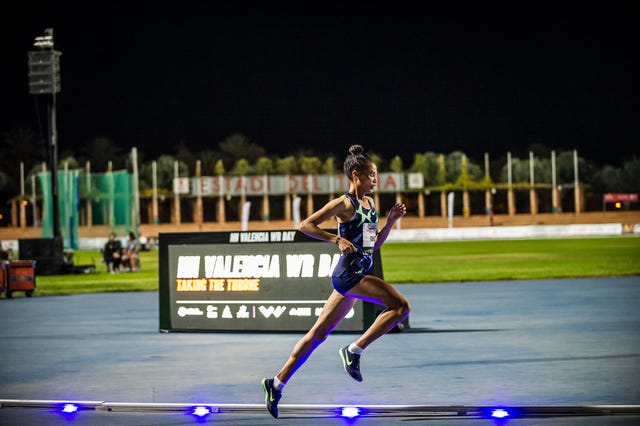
368 180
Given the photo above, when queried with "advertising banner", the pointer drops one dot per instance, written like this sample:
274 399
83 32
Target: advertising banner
620 198
280 185
252 281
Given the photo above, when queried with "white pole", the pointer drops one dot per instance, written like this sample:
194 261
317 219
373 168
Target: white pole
176 175
33 200
111 220
576 186
531 174
296 211
43 212
509 181
68 200
135 214
154 183
23 212
575 167
21 179
197 181
89 208
450 208
553 169
176 198
554 181
486 164
246 208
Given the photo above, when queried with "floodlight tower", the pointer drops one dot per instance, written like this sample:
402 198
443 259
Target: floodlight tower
44 80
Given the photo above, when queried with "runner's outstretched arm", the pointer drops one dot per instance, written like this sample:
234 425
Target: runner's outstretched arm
396 212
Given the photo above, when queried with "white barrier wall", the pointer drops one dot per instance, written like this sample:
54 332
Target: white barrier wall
506 232
450 234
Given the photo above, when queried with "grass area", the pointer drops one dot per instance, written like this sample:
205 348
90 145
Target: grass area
494 260
101 280
450 261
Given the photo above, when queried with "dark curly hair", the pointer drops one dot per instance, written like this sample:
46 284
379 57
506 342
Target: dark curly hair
356 160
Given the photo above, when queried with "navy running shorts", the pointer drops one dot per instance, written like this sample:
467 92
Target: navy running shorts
350 270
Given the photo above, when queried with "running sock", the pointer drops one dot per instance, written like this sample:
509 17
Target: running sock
278 384
355 349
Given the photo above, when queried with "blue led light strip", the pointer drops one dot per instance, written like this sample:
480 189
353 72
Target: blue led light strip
432 411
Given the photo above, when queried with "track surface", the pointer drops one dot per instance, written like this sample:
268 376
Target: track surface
524 343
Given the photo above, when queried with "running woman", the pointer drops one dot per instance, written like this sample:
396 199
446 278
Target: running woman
358 236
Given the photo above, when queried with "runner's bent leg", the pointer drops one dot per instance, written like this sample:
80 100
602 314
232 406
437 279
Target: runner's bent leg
333 312
375 290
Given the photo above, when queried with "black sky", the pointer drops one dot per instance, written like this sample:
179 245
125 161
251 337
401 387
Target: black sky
398 81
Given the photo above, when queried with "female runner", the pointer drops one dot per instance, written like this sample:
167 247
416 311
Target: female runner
358 236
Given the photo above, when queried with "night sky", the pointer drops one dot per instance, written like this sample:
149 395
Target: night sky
397 81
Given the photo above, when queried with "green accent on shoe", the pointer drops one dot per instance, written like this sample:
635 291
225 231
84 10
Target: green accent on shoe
351 363
271 397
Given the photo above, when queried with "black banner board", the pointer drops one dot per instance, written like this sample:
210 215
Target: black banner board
250 281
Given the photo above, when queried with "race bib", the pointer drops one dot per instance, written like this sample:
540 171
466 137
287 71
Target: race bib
369 232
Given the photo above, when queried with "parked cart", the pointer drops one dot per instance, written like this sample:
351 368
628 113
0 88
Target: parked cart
21 276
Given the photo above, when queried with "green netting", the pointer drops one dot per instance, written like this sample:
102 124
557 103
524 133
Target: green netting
68 199
111 202
111 199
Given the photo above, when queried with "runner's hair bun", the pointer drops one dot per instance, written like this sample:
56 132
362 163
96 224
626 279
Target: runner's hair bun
356 150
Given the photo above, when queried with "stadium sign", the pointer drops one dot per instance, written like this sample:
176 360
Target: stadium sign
252 281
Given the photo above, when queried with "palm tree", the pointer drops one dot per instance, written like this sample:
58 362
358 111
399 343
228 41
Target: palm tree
441 180
241 169
310 166
286 166
238 146
264 166
420 165
219 171
17 146
329 169
101 151
396 167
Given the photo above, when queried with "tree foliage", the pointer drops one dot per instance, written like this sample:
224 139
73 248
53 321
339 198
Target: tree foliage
99 151
287 165
238 146
4 179
396 164
241 168
164 172
237 155
184 155
264 166
310 165
329 166
420 165
208 159
218 169
17 146
631 175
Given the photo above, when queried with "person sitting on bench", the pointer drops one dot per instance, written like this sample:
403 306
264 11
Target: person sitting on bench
5 254
113 254
131 257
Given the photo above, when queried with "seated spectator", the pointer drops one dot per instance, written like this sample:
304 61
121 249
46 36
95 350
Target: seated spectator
131 256
5 254
113 254
143 243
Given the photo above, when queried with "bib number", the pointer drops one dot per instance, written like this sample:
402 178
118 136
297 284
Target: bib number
369 232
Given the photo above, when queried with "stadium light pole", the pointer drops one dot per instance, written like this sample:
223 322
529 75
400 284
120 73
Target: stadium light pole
44 79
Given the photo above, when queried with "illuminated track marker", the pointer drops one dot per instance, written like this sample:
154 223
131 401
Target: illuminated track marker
304 410
69 408
350 412
499 413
